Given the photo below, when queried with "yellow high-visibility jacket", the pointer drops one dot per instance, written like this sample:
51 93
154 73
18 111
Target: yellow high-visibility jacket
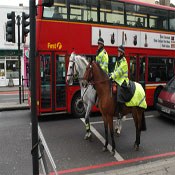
102 59
120 72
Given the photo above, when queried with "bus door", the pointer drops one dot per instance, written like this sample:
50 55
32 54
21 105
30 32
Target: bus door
60 81
137 64
45 79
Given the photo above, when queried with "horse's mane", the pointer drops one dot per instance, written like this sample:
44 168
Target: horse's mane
81 59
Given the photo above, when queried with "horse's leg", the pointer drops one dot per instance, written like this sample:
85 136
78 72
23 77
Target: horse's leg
88 131
138 123
106 133
118 126
110 120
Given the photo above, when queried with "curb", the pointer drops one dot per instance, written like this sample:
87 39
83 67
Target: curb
166 166
10 107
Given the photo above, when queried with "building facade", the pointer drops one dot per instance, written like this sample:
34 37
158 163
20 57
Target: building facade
9 62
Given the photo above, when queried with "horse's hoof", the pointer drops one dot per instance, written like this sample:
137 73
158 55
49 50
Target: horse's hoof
104 149
136 147
117 131
123 118
118 134
112 153
88 136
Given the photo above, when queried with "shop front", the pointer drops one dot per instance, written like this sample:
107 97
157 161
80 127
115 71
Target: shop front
9 67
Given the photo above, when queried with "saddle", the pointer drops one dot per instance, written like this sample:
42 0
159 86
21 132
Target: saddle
128 90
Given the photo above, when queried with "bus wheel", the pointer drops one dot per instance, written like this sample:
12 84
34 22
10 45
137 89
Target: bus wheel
156 94
78 109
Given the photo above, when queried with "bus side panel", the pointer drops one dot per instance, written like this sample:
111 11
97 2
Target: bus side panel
70 93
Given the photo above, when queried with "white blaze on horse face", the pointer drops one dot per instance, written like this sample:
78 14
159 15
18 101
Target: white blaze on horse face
69 78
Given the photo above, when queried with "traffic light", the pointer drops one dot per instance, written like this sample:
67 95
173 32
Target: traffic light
10 27
25 23
47 3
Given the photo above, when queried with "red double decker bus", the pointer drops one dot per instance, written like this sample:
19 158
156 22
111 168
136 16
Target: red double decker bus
146 31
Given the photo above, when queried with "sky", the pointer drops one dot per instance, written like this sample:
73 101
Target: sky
26 2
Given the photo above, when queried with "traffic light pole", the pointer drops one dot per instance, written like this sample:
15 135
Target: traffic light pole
19 59
33 75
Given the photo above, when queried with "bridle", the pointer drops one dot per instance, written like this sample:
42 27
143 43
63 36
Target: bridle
73 67
90 75
90 78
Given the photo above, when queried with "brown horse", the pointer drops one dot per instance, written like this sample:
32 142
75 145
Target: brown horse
107 104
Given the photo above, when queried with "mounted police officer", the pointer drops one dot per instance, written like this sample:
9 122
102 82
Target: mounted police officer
102 56
120 76
102 59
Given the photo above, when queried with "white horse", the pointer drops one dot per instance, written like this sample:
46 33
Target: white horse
77 66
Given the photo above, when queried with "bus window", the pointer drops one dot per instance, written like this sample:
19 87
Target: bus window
142 69
133 68
58 11
111 64
83 10
160 69
170 68
172 20
112 12
158 18
136 15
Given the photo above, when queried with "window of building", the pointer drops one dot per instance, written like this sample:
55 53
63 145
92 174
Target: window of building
160 69
2 69
83 10
12 69
58 11
172 20
158 18
136 15
112 12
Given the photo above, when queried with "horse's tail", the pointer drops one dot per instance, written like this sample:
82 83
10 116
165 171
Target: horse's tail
143 124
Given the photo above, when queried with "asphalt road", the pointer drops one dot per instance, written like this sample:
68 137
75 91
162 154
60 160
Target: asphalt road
9 98
12 97
72 154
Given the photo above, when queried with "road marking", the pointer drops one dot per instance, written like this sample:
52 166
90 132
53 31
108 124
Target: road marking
99 122
114 163
100 137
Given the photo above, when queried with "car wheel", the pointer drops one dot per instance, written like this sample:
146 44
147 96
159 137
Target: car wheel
78 109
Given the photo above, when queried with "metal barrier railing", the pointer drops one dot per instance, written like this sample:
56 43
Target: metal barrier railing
25 88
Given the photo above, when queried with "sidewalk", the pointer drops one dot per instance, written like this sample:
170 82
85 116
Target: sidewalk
8 89
159 167
12 105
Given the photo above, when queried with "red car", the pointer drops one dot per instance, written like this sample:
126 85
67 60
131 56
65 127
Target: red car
166 100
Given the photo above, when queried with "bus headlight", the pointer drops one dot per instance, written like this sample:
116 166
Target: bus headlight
160 100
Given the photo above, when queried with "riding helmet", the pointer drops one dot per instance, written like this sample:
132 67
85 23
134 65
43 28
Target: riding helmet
100 41
121 49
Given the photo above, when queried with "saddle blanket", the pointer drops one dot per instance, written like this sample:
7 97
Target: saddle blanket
138 98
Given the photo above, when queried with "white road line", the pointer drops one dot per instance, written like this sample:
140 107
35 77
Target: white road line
99 122
100 137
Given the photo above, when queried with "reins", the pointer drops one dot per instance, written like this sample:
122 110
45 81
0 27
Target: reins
96 82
